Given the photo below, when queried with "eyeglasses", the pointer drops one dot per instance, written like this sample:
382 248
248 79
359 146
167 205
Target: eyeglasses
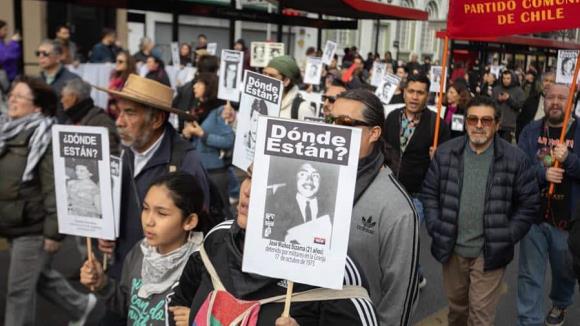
473 121
344 120
20 97
331 99
42 53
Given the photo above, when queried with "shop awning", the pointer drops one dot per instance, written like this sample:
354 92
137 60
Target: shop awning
358 9
536 42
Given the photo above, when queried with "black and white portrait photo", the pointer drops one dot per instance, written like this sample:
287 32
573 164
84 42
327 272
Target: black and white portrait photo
82 188
231 75
567 67
259 108
328 53
259 54
300 201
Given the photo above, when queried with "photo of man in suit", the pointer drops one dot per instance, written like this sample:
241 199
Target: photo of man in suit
293 205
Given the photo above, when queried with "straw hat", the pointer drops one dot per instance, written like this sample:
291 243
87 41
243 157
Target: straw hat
147 92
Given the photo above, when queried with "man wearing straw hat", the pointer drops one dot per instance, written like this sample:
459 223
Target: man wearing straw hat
152 148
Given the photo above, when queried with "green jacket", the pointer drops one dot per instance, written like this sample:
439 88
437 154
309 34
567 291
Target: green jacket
27 208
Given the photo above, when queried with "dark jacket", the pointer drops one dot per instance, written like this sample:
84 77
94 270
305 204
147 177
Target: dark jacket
102 53
218 137
528 113
26 208
512 107
159 76
511 205
414 162
529 144
184 99
85 113
62 77
222 245
134 189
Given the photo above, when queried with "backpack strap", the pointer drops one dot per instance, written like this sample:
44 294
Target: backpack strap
296 106
215 279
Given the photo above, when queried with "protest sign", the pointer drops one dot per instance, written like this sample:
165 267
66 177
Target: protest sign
457 121
435 75
231 69
495 70
263 52
329 51
434 109
483 18
302 198
388 108
116 177
378 73
566 65
387 87
81 164
211 48
261 95
313 71
315 100
175 53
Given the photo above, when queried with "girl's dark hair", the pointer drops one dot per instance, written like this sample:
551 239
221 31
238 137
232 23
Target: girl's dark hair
210 80
157 61
208 63
44 97
131 65
242 43
187 195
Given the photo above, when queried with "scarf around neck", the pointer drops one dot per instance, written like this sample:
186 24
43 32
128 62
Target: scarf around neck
78 111
159 272
38 142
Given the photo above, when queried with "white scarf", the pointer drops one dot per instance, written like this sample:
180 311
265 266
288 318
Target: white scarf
159 272
38 143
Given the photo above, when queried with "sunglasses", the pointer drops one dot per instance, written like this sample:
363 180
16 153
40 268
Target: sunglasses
486 122
344 120
331 99
42 53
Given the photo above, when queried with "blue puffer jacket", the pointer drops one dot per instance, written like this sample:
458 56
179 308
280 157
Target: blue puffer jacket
529 143
218 136
511 205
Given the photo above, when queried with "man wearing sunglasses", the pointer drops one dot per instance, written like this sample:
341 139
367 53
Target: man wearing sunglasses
53 72
384 230
336 87
547 241
480 196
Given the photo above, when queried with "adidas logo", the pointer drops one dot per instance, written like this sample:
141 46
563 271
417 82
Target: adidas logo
367 225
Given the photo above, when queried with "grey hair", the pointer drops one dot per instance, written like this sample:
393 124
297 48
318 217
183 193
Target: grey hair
56 46
144 40
78 87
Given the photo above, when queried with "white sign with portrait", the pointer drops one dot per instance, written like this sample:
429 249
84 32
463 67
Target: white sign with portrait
231 70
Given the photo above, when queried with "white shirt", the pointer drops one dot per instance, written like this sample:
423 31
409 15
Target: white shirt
141 159
302 204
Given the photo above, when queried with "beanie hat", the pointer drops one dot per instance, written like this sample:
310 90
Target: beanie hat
286 66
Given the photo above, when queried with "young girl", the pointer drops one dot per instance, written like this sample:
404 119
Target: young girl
173 224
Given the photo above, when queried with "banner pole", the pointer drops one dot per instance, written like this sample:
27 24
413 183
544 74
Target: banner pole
568 113
441 90
289 291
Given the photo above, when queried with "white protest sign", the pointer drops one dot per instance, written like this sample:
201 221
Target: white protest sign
388 108
82 177
434 109
261 95
302 198
175 53
211 48
566 65
315 100
436 75
378 73
231 70
263 52
457 122
313 71
329 51
495 70
116 179
387 87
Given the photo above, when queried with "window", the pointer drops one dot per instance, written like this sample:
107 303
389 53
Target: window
407 29
428 30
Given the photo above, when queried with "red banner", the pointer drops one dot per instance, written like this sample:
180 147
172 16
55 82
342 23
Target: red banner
483 18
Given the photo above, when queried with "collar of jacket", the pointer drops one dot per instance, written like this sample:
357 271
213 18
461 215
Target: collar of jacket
56 76
78 111
163 154
498 147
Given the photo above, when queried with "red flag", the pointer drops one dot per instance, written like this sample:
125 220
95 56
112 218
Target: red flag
483 18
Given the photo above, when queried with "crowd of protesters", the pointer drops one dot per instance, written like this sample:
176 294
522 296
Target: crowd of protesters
184 207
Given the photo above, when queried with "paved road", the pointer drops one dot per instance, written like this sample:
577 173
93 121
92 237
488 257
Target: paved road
431 310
